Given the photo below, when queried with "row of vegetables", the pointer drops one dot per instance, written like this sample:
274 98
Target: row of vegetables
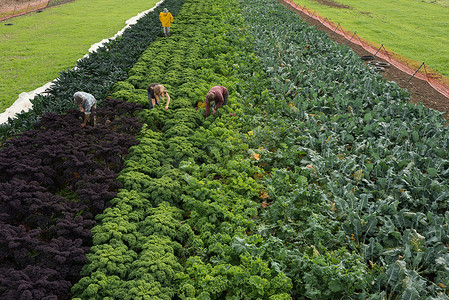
95 73
190 190
381 163
317 181
54 180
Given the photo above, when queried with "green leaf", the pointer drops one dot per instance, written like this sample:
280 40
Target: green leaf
368 117
410 294
432 172
336 285
415 136
392 274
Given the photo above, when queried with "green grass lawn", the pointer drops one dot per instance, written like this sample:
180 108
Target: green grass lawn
38 46
415 29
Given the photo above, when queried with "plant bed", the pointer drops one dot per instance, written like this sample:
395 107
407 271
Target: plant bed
54 180
95 74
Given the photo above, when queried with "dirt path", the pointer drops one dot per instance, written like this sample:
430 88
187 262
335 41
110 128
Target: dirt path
420 90
9 6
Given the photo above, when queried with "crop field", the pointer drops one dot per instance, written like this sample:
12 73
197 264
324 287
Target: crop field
318 180
415 29
38 46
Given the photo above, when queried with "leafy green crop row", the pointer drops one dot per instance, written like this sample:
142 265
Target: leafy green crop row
378 163
190 197
317 181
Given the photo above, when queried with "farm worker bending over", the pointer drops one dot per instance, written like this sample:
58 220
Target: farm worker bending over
155 92
219 95
88 105
166 18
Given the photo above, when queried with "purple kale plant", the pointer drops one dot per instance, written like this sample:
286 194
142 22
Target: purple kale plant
54 180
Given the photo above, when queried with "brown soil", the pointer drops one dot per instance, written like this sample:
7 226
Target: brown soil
9 6
420 91
4 4
333 4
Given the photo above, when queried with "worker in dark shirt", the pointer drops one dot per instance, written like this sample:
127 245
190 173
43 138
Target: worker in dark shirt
219 95
155 92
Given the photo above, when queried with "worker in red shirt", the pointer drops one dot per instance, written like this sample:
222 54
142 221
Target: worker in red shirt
219 95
